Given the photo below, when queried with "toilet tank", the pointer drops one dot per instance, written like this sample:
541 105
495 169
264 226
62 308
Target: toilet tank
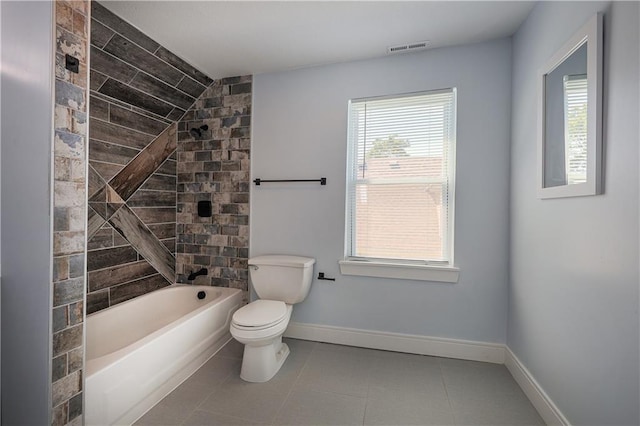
281 277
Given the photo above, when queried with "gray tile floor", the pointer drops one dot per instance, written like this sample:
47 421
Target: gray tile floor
323 384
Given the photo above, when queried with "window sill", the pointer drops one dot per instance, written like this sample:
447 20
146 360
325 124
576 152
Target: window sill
403 271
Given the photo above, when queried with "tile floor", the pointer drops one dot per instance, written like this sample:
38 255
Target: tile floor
323 384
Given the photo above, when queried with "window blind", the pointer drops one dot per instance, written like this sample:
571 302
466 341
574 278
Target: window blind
400 177
575 127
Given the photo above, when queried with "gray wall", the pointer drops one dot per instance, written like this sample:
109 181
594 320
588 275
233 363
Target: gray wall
299 131
573 302
27 107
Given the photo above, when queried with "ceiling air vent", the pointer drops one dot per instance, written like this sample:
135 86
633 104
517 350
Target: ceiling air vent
410 47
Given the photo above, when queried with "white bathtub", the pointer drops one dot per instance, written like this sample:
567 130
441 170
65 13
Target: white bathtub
138 351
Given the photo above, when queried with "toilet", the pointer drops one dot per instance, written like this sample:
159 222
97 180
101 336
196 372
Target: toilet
280 281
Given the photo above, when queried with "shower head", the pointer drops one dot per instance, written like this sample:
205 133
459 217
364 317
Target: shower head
196 132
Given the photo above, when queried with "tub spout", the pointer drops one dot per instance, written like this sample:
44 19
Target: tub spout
192 276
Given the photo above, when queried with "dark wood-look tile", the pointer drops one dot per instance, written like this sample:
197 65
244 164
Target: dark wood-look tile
108 18
113 133
105 258
108 152
105 278
163 230
160 183
165 120
124 292
97 301
95 181
111 100
142 198
175 114
106 170
98 108
151 215
144 165
96 79
169 167
192 87
131 227
135 121
111 66
103 238
129 95
161 90
183 66
170 244
100 34
132 54
94 223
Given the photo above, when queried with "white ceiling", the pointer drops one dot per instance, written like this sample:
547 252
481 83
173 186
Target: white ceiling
230 38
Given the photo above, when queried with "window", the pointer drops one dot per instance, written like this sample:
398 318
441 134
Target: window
575 128
400 178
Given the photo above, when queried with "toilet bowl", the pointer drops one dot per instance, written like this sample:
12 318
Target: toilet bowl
260 326
280 281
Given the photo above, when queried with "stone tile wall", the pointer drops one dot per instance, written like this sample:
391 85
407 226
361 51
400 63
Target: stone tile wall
69 203
138 91
215 167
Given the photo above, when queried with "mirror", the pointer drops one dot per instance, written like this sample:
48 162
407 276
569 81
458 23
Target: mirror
570 97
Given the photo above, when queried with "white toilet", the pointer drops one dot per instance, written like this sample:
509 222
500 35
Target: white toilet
279 281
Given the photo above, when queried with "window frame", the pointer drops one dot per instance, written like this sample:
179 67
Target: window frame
429 270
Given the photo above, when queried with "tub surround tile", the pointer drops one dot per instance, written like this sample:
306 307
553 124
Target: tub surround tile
123 49
106 170
96 79
100 34
128 94
67 339
136 232
112 21
129 136
67 291
133 120
97 301
124 292
110 153
66 388
138 170
95 181
100 259
187 69
155 87
105 278
138 90
215 168
94 223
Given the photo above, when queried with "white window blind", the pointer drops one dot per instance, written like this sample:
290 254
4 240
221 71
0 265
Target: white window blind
575 127
401 177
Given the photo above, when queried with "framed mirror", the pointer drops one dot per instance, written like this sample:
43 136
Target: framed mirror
570 117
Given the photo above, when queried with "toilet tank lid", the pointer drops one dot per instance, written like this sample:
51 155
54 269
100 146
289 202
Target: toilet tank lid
282 260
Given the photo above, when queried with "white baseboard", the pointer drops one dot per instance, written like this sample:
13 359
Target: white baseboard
549 412
409 343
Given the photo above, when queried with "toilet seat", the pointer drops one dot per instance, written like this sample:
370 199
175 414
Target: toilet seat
260 314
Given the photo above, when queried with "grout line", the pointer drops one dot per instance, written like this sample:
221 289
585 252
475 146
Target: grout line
446 391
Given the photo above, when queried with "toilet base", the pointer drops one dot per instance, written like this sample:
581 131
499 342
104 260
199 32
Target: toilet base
261 363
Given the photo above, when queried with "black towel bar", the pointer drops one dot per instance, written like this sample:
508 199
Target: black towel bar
323 181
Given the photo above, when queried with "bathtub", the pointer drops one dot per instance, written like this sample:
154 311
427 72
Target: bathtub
138 351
